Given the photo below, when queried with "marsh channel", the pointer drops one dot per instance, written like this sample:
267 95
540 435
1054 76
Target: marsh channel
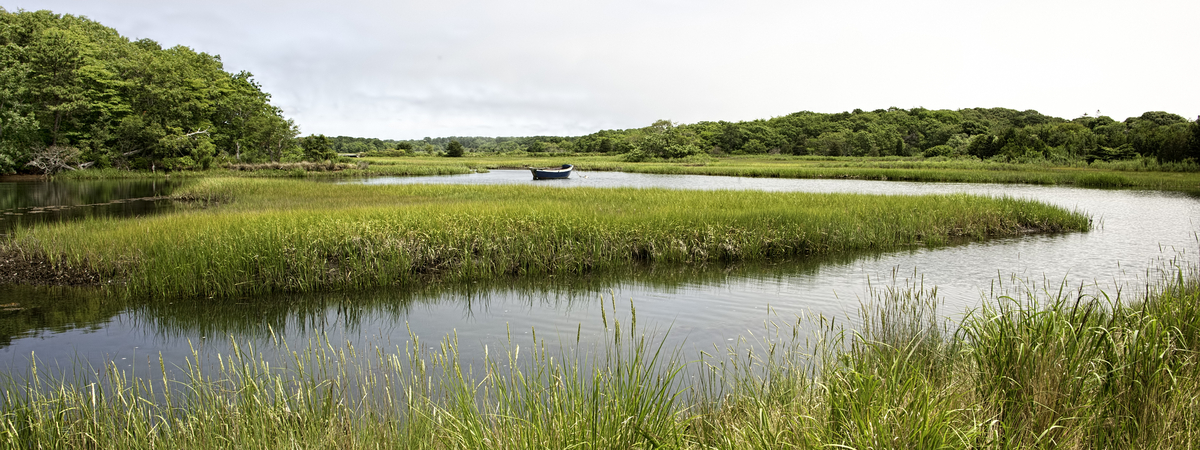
1136 234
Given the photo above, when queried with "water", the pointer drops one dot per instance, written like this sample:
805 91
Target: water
703 307
28 202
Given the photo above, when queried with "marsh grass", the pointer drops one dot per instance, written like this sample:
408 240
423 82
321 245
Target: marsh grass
1102 180
1141 173
262 236
1036 369
623 392
1079 372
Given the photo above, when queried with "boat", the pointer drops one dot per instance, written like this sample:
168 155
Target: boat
552 173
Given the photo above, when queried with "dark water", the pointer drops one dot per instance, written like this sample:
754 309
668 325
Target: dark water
1136 234
24 203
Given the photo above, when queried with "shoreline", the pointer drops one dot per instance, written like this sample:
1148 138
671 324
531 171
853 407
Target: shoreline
795 167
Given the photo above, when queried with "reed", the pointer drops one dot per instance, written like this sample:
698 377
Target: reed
266 236
1073 371
1033 369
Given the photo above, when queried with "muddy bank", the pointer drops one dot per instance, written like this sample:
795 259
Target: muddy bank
36 269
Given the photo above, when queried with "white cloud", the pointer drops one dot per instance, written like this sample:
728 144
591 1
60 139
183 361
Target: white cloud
433 68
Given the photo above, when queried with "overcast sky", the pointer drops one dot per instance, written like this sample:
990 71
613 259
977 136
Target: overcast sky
410 69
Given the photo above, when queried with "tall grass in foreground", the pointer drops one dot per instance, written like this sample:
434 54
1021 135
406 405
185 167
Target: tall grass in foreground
296 236
1039 370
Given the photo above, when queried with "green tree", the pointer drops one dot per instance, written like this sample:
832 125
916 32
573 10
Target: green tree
984 146
317 148
18 124
754 146
973 128
731 138
1174 141
605 146
454 149
67 81
55 57
1158 134
662 139
1194 141
834 143
240 102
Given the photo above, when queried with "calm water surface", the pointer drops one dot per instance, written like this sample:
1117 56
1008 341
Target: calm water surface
28 202
1136 233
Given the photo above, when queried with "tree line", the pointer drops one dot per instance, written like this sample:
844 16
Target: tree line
75 93
440 145
983 133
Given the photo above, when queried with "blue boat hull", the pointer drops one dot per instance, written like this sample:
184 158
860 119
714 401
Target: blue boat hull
550 174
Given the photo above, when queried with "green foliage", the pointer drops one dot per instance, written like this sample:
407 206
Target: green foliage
317 148
983 133
1121 153
754 146
346 144
939 150
454 149
68 81
476 144
662 140
1194 141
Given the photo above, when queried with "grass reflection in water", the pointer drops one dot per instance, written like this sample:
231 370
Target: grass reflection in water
1028 369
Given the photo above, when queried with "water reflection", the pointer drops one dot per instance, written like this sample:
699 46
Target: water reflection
29 311
300 313
705 306
28 202
485 312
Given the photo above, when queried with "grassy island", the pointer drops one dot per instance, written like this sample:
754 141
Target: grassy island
253 236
